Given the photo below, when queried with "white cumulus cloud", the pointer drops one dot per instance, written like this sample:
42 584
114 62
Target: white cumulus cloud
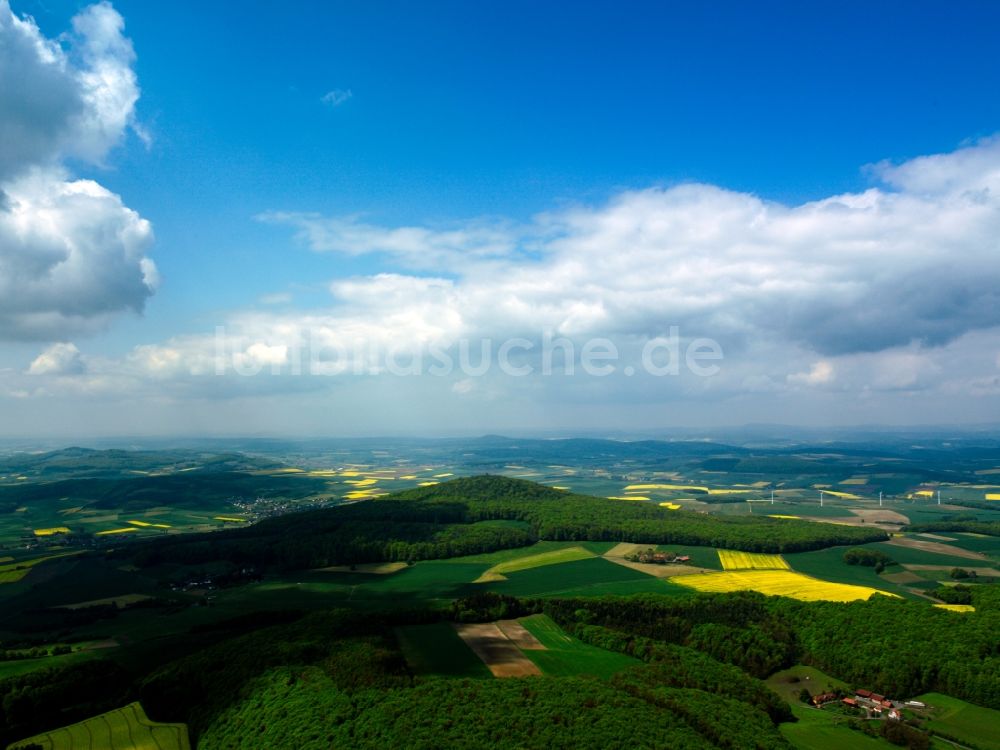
72 255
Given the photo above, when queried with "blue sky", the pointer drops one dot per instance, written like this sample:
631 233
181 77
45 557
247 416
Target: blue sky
455 117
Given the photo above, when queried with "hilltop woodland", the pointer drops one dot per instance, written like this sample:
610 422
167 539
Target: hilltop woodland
483 514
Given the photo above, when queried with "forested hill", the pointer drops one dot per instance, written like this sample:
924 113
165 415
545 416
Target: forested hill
480 514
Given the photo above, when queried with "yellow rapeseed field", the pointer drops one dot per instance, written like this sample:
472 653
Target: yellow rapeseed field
232 519
147 524
776 583
50 532
843 495
956 607
993 495
125 530
627 497
670 506
734 560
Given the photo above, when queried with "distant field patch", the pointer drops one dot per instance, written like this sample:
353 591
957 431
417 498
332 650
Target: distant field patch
842 495
229 519
777 583
497 651
993 495
880 515
147 524
681 487
52 531
124 530
628 497
436 649
125 729
380 569
935 548
956 607
937 537
670 506
13 572
117 601
555 557
561 654
945 569
735 560
779 515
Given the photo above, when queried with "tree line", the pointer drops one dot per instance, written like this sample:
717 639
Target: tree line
482 514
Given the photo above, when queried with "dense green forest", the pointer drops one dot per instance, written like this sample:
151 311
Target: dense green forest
349 685
479 514
339 678
897 647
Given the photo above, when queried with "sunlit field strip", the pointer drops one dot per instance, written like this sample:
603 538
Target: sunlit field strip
52 531
735 560
956 607
12 572
777 583
127 728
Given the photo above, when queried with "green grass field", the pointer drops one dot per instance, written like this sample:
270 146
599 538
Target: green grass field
566 655
581 577
127 728
965 722
540 560
820 730
788 683
829 565
24 666
436 649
